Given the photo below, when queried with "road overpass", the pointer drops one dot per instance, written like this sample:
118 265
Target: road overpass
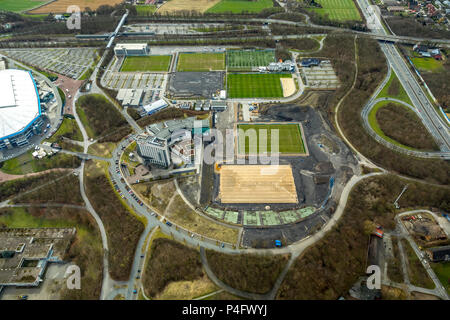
428 114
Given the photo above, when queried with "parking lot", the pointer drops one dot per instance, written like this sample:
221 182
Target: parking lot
171 28
153 84
71 62
321 77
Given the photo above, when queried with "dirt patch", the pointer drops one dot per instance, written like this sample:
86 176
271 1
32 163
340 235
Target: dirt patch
187 5
257 184
60 6
288 85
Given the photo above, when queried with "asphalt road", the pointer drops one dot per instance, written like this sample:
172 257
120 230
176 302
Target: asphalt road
432 121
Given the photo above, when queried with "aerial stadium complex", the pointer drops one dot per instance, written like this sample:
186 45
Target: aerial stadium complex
20 109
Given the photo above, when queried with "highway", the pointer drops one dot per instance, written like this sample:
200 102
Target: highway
429 116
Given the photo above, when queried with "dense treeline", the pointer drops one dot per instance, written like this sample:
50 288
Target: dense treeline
412 27
329 268
404 126
281 29
17 186
439 83
122 228
247 272
65 190
371 70
103 118
170 261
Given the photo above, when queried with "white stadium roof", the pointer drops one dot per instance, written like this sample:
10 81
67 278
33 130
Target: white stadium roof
19 103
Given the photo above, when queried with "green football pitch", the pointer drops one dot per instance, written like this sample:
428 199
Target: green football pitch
146 63
247 59
289 138
255 85
338 10
19 6
201 62
238 6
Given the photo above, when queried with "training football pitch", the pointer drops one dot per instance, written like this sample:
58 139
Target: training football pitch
247 59
238 6
338 10
146 63
289 138
201 62
255 85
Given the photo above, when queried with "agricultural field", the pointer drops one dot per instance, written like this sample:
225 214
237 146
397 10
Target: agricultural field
247 59
239 6
19 6
187 5
338 10
201 62
255 85
146 63
60 6
290 137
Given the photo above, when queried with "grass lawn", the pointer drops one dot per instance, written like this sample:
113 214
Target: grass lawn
338 10
394 89
239 6
146 63
255 85
442 270
84 120
104 149
246 59
25 163
19 6
181 214
428 64
290 137
201 61
143 10
69 129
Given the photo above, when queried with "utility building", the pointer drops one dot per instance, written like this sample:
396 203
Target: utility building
131 49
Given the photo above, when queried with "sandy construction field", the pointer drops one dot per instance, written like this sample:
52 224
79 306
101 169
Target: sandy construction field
60 6
257 184
187 5
288 85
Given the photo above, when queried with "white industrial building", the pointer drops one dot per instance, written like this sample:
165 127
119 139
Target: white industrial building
130 97
132 49
20 108
155 106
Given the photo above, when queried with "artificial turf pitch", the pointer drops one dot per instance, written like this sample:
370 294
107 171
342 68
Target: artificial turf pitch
255 85
289 136
146 63
248 59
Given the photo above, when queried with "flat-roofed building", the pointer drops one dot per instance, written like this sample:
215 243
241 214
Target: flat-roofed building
130 97
132 49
